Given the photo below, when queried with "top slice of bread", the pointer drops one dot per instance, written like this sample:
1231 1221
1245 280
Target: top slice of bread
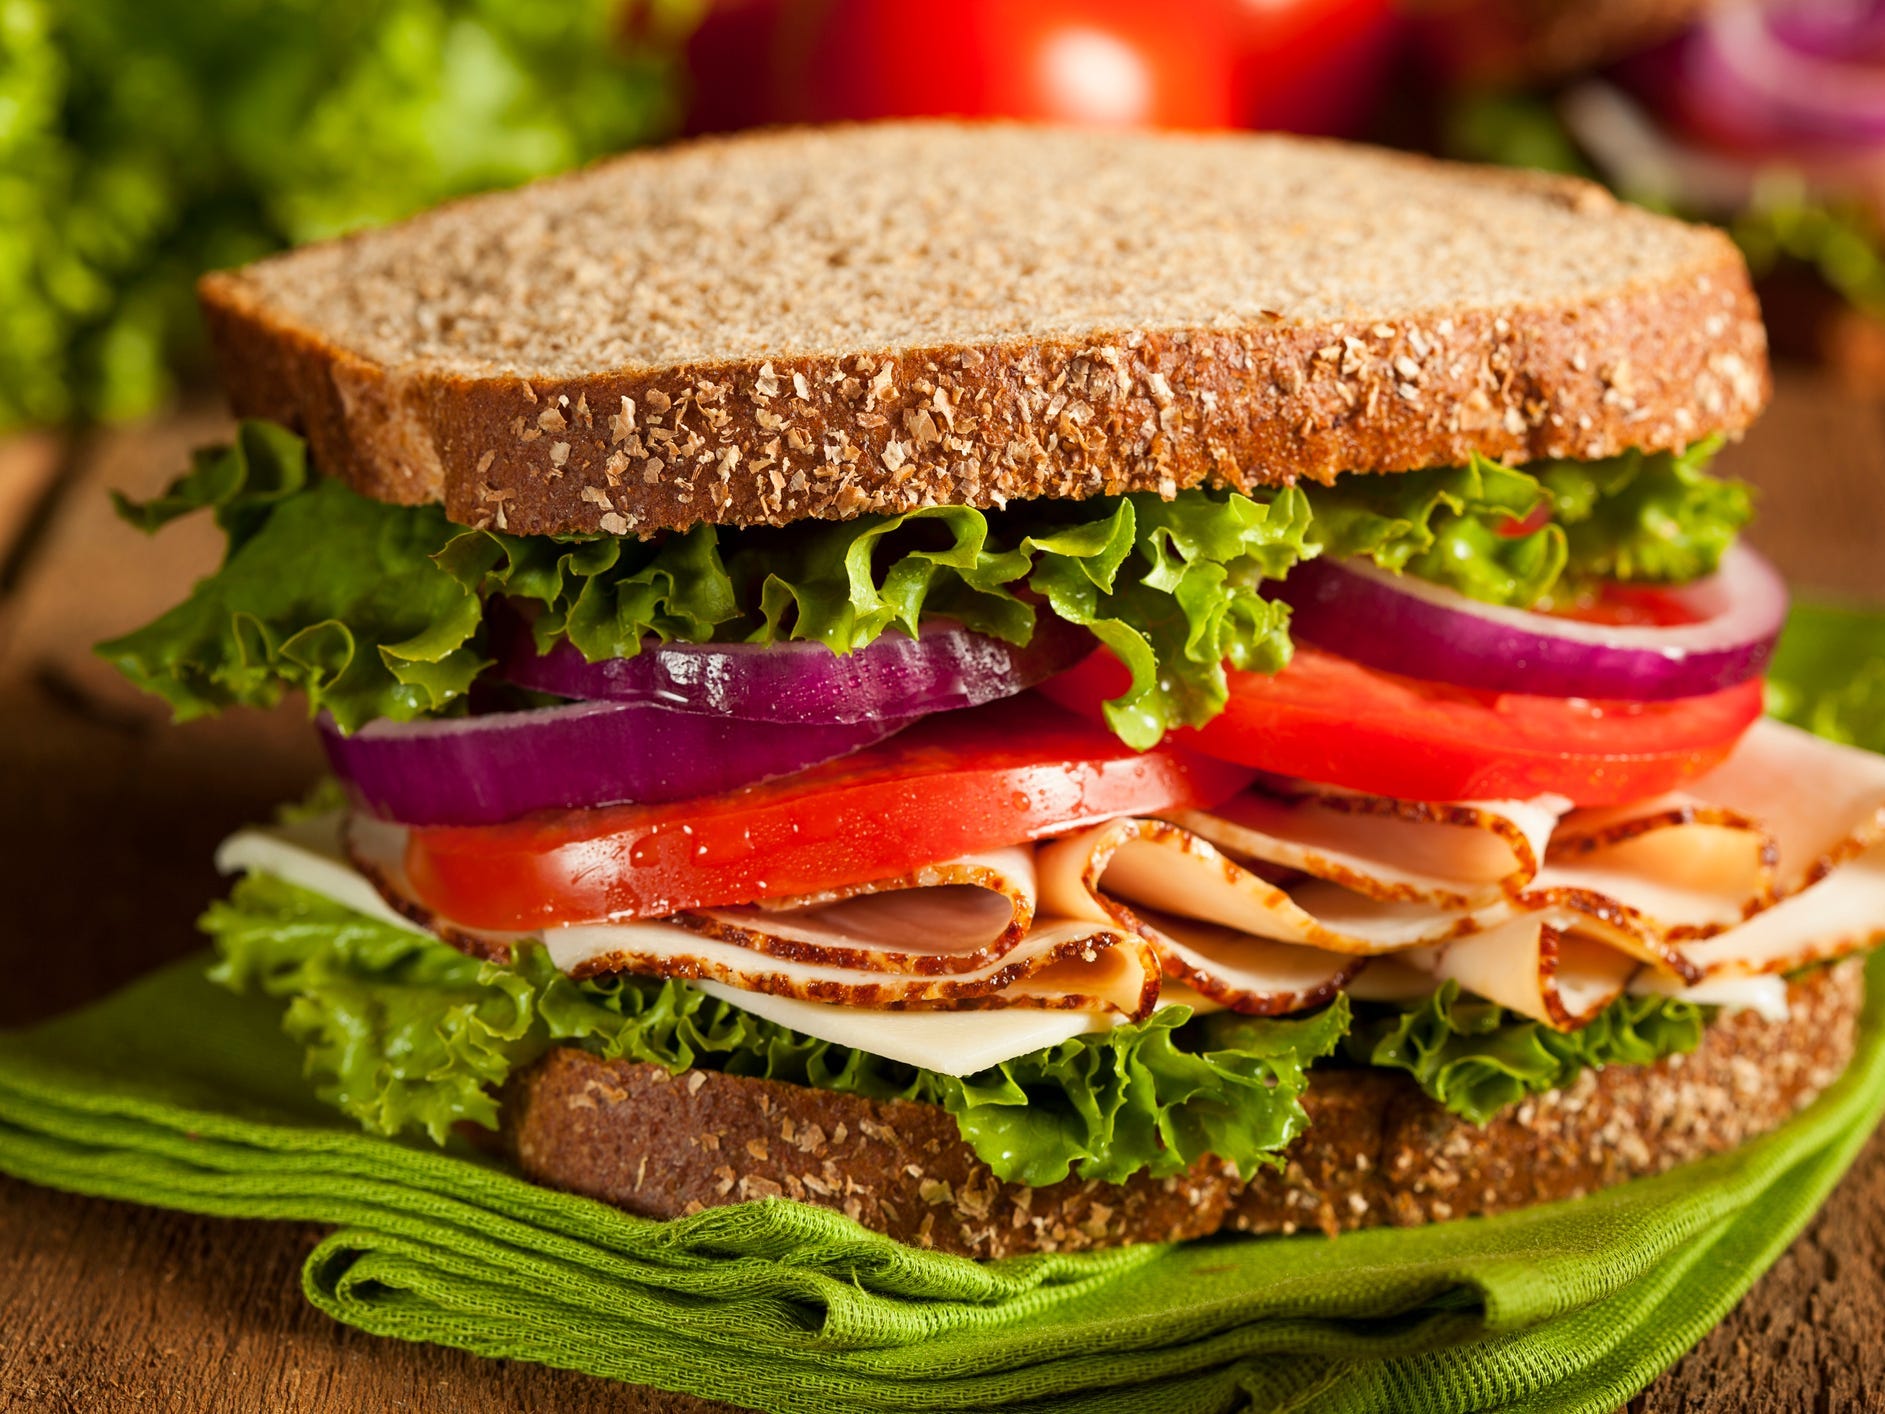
828 322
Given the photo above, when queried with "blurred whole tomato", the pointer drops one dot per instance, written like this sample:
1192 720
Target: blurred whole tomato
1297 65
1114 63
1312 66
730 64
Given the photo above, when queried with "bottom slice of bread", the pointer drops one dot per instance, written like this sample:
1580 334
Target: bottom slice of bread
1377 1151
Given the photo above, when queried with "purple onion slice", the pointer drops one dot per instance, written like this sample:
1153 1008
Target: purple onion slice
480 770
804 682
1810 79
1401 624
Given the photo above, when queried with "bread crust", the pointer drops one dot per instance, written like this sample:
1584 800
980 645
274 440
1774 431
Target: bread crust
1654 354
1377 1152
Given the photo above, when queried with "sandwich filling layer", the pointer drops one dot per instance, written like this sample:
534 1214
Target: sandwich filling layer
1112 925
1320 927
405 1032
381 612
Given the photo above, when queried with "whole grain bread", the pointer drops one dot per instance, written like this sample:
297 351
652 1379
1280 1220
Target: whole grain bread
821 323
1377 1151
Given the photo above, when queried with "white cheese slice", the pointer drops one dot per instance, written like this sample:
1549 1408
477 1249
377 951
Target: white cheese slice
1765 996
309 855
950 1042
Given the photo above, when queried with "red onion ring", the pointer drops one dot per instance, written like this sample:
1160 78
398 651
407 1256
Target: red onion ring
1841 29
1750 78
484 769
1408 626
800 682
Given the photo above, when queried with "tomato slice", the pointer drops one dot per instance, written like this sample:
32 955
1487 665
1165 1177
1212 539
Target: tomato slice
1636 606
1330 720
1513 527
954 784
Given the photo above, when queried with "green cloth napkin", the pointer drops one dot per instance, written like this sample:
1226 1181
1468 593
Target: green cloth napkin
176 1093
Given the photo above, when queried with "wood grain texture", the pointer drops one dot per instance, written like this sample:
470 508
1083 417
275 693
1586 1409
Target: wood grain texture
166 1312
109 1307
1807 1337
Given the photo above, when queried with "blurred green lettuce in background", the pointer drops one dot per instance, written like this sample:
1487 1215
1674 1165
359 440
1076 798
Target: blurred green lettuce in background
144 141
1828 674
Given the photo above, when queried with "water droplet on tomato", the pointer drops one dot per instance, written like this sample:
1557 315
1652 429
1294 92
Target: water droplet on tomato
658 849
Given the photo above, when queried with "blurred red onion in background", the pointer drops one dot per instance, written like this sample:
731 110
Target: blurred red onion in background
1804 77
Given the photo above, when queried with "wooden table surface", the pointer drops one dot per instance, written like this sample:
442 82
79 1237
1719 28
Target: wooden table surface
110 818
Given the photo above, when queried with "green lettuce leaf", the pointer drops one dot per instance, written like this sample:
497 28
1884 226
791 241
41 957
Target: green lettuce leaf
1154 1096
400 1031
145 141
403 1032
1839 242
1445 525
1476 1058
320 590
1169 586
378 610
1828 674
1657 517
